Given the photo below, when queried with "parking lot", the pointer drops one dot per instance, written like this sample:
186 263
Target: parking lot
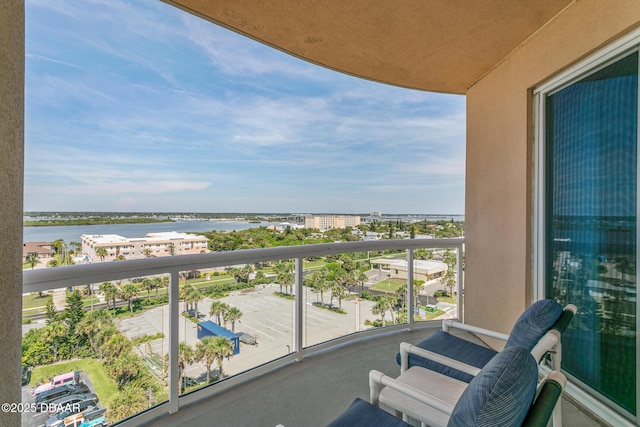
37 419
267 317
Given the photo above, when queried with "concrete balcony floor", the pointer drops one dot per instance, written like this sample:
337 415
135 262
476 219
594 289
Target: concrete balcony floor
315 391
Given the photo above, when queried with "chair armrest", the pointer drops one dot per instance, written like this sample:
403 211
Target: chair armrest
446 324
406 348
546 344
377 380
549 392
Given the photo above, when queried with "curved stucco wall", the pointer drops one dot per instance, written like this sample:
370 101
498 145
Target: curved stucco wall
499 175
11 165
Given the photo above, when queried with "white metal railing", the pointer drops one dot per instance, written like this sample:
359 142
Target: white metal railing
61 277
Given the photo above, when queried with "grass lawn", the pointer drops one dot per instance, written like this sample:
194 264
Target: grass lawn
32 304
450 300
389 285
104 387
431 316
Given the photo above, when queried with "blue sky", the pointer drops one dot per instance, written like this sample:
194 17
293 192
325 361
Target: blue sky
138 106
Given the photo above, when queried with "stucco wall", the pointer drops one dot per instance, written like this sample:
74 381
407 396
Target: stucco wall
11 165
499 173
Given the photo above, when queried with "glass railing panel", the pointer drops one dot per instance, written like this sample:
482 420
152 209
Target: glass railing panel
100 345
117 331
435 283
244 320
343 294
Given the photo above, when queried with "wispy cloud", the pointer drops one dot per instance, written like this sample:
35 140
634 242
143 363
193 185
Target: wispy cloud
140 106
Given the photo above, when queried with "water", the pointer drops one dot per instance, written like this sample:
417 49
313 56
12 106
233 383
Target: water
72 233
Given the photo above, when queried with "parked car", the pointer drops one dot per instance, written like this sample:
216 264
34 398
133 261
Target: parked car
89 402
72 400
89 418
49 396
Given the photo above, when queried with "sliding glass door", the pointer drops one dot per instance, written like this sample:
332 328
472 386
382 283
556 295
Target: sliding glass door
589 217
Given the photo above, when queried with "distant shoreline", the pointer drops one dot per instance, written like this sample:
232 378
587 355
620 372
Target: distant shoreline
91 221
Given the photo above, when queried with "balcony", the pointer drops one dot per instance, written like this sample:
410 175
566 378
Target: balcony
309 364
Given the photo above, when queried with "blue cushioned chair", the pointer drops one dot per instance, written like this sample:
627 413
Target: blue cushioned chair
501 395
529 329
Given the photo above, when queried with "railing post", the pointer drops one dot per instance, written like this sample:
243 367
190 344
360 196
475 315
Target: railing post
410 289
459 282
299 306
174 339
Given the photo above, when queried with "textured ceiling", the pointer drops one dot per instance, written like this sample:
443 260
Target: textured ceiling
435 45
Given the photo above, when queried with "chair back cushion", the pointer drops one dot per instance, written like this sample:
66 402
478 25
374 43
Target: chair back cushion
501 394
534 323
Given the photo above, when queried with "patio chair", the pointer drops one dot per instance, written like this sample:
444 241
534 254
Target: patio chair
528 331
503 394
538 330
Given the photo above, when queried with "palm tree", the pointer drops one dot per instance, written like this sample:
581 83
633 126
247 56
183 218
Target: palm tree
110 292
148 284
101 252
128 293
185 357
183 294
206 352
115 346
157 283
172 248
383 305
129 401
53 334
233 314
147 252
32 260
224 348
218 309
194 297
91 324
77 247
284 273
401 293
125 368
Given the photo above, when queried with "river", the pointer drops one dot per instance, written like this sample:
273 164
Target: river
72 233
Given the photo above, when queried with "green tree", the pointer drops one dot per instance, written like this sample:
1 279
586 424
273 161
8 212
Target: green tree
128 293
102 253
125 368
131 400
381 307
148 285
115 346
74 311
91 325
218 309
224 348
110 292
284 274
232 316
186 356
32 260
51 315
54 335
241 275
206 352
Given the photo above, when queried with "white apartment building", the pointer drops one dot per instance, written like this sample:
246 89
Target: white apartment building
153 245
328 222
427 270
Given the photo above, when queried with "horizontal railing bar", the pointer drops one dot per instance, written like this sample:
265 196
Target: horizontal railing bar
58 277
